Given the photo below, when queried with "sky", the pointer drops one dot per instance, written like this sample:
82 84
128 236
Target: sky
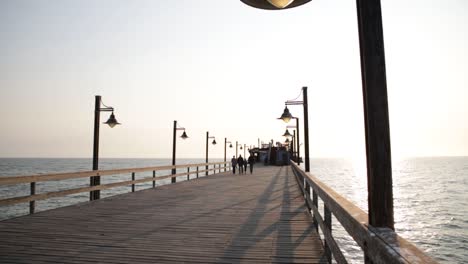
224 67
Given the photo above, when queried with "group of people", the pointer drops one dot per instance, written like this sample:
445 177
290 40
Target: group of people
242 163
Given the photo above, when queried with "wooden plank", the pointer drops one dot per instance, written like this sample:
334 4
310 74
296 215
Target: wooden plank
223 218
73 175
354 220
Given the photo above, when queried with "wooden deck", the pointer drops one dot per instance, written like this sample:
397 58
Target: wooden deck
259 218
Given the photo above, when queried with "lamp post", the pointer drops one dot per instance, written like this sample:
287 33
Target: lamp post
230 146
184 136
96 180
214 143
293 138
237 147
244 150
376 121
286 117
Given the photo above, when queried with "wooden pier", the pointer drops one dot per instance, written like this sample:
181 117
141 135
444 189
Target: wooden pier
223 218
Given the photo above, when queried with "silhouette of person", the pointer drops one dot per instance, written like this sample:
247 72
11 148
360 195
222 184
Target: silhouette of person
234 164
240 162
251 162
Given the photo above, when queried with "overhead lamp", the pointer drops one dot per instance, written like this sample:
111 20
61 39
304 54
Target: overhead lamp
184 135
286 116
274 4
112 122
287 134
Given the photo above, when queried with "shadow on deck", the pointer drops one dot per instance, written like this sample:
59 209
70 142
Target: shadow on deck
224 218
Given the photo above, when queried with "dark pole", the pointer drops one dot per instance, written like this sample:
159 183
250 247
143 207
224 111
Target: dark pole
236 149
95 180
206 173
293 144
306 130
173 179
297 142
225 142
374 87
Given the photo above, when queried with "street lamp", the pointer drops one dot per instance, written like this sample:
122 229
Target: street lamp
376 121
286 133
183 136
286 117
214 143
230 146
112 122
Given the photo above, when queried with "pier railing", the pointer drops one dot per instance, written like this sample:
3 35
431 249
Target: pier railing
197 169
380 245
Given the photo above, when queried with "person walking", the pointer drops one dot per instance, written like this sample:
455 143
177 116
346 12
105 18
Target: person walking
234 164
251 162
240 162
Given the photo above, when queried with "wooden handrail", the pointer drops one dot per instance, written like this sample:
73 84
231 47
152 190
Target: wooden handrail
380 245
83 174
73 175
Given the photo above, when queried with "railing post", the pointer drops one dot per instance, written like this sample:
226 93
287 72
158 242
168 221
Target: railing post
315 204
197 172
133 184
188 173
154 182
307 191
32 204
328 225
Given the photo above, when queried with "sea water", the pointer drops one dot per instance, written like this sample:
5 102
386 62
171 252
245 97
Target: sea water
430 195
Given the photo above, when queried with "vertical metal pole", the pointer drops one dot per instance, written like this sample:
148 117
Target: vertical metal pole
236 150
154 176
95 180
244 151
133 184
258 143
306 130
173 179
293 144
297 142
197 172
32 204
374 87
225 143
207 134
188 173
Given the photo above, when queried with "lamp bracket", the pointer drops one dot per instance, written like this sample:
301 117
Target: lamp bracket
294 102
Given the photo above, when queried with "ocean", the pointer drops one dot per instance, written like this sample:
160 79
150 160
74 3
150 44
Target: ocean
430 195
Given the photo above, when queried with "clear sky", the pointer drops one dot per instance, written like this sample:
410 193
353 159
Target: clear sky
227 68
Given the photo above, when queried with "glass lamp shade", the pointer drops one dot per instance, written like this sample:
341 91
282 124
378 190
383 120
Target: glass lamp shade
286 116
184 135
287 134
280 3
274 4
214 142
230 145
112 122
241 147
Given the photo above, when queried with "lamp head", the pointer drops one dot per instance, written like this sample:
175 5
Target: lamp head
112 122
287 134
241 147
230 145
184 135
286 116
274 4
214 142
